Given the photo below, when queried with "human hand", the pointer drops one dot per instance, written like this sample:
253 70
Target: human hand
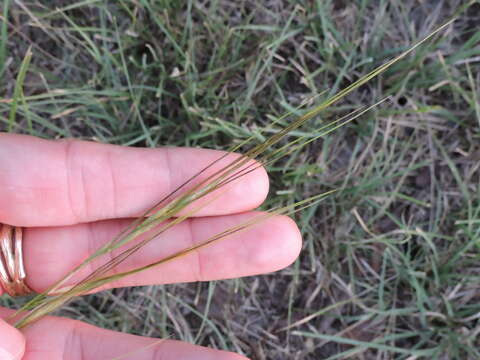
74 196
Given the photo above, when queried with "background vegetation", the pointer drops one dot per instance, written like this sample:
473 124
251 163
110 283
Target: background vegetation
389 270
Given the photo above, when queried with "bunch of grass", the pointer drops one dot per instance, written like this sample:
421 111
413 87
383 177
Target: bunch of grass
184 202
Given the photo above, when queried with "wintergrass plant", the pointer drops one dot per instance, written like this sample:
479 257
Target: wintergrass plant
179 206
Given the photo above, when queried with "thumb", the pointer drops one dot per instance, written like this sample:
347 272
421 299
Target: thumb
12 342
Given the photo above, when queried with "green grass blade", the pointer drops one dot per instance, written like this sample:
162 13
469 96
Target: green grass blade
18 92
4 38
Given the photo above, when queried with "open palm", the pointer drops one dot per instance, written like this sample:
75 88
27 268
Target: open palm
74 196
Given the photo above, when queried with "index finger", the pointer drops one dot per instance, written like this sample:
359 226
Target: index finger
46 183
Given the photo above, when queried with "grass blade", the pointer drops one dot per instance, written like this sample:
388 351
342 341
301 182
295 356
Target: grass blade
18 92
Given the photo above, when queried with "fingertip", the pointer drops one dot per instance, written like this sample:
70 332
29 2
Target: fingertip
294 242
277 245
288 243
262 184
246 188
240 190
254 187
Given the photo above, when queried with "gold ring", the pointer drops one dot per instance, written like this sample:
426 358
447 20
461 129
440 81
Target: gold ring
12 269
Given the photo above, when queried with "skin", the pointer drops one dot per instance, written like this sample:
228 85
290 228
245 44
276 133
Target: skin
73 196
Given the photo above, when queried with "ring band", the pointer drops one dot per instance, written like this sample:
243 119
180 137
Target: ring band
12 269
